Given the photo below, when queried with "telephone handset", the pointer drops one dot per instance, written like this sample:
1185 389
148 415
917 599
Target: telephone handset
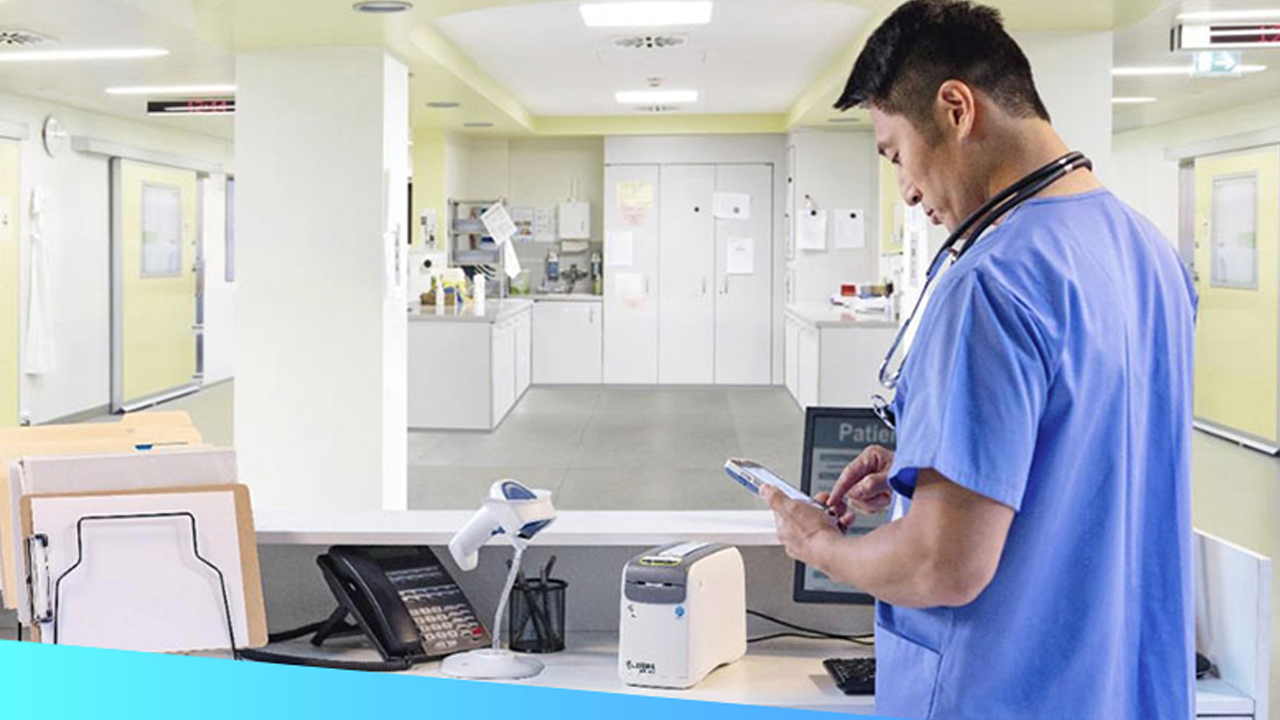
402 599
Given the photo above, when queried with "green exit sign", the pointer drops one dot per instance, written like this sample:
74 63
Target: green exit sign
1216 63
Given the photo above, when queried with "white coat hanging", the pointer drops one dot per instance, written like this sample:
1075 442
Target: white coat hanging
38 356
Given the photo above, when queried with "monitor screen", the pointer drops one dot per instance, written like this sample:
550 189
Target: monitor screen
833 437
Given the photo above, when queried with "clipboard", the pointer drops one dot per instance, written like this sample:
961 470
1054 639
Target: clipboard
133 585
61 440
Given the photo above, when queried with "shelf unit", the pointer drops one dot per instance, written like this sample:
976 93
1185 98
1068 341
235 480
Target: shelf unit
469 244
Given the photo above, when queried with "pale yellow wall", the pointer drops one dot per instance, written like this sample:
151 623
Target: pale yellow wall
10 202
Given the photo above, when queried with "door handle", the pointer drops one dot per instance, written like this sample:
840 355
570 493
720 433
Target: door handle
646 284
704 285
726 284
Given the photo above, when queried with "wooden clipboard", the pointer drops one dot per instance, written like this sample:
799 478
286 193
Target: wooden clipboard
251 574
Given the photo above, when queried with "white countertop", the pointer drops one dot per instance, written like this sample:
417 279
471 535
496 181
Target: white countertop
786 672
625 528
567 297
825 315
494 311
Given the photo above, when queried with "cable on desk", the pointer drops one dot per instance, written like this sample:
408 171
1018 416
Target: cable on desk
867 639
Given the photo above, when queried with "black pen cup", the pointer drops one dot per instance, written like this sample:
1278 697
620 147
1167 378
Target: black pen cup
536 616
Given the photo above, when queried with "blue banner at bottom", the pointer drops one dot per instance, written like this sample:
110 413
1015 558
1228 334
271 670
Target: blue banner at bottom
46 681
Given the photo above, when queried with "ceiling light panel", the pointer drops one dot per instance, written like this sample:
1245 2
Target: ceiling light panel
1231 15
645 14
1132 100
173 90
88 54
655 97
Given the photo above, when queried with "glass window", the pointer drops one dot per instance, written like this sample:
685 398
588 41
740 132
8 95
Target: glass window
161 231
1234 232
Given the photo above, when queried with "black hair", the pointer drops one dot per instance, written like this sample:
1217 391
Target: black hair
923 44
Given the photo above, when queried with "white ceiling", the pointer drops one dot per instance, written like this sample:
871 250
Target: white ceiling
1147 44
75 24
755 56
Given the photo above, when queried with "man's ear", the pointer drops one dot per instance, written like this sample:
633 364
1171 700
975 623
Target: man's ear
957 108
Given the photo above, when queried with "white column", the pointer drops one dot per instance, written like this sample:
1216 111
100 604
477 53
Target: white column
321 155
1073 74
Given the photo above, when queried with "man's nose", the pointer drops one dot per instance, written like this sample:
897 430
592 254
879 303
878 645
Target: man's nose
910 193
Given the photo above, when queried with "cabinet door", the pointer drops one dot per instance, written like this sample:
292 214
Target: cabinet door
566 345
504 369
809 367
524 354
686 262
630 279
744 292
792 358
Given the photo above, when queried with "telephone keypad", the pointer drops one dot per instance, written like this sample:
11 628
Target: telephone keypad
442 613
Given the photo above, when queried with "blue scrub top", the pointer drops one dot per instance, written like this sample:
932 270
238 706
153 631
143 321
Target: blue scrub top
1052 373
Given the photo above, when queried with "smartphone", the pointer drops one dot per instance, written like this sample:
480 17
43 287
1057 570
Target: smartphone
751 475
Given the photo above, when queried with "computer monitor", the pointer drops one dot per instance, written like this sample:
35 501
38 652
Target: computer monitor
833 437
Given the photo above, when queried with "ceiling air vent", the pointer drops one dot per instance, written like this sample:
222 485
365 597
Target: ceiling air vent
649 42
657 108
21 38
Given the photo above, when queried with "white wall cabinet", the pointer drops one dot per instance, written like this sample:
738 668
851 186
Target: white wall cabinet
687 266
631 288
567 341
681 309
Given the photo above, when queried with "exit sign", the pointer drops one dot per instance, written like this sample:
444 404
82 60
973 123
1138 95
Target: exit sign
1216 63
197 106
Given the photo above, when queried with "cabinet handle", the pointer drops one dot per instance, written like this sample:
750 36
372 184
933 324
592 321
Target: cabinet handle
591 316
704 285
646 284
726 284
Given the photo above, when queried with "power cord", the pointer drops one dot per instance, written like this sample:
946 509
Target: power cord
867 640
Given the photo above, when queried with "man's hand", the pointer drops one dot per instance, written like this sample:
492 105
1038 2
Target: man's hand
862 487
801 527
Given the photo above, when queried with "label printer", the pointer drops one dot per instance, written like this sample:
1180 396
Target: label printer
684 613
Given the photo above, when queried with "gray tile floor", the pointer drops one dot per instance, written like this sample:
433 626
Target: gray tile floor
614 448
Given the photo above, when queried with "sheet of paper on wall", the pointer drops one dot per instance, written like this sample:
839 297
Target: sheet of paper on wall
524 219
544 225
619 248
850 229
634 216
497 222
630 287
732 206
510 261
811 230
741 256
635 194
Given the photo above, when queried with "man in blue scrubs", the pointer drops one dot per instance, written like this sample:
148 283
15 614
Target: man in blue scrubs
1039 562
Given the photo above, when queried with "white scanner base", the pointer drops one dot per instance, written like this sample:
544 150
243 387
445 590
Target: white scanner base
490 664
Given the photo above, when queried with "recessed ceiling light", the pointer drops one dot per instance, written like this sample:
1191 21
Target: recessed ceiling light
842 120
646 14
1132 100
172 90
382 7
1231 15
644 97
89 54
477 124
442 104
1172 70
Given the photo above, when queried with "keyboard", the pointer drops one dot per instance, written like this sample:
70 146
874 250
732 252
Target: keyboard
854 676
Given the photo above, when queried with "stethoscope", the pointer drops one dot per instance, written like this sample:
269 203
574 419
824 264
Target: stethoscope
956 245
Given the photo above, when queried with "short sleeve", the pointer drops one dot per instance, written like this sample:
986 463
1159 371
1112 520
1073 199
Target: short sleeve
972 392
